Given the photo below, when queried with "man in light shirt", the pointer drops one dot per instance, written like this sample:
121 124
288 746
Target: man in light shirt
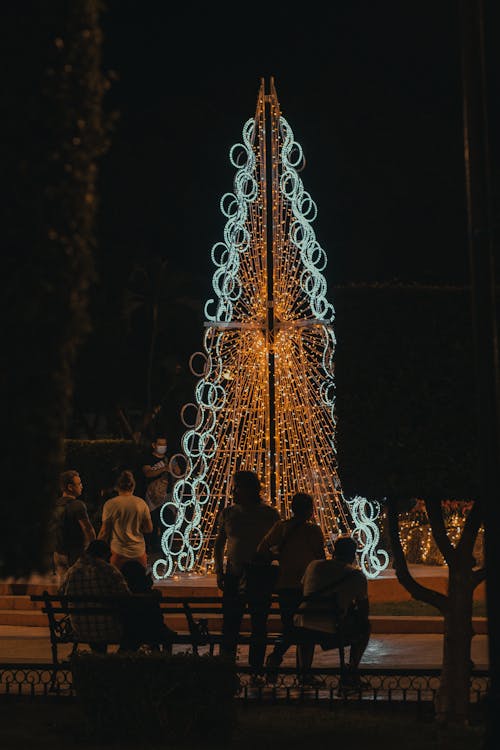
323 581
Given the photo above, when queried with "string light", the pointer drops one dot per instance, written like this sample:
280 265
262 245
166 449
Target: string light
232 428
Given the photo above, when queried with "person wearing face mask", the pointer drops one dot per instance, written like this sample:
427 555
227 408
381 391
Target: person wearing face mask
159 477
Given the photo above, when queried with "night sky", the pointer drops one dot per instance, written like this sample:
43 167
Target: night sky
372 91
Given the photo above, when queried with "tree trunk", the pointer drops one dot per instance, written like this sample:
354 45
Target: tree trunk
452 703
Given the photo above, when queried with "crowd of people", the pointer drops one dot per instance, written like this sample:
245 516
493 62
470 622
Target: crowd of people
250 531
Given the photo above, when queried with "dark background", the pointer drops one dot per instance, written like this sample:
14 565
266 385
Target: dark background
101 227
371 90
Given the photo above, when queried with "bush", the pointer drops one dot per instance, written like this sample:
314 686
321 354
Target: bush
154 696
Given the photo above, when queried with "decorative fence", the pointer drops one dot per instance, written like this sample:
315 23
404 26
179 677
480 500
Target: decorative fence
417 686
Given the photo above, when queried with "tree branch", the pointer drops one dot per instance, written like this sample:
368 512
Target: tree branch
471 526
435 514
405 578
478 576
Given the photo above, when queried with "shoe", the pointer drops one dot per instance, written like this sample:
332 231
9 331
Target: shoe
273 661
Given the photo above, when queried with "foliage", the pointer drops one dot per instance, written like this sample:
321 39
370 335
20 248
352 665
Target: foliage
44 725
405 392
49 158
154 696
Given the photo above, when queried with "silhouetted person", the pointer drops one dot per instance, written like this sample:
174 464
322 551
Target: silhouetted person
144 621
295 543
339 578
240 529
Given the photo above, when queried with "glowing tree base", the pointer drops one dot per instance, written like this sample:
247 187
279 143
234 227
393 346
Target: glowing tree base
265 396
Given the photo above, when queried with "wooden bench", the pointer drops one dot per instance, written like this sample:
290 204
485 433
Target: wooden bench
201 620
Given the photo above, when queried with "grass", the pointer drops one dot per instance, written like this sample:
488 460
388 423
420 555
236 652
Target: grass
53 724
414 608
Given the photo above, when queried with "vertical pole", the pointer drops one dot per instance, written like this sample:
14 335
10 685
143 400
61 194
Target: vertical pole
480 243
270 329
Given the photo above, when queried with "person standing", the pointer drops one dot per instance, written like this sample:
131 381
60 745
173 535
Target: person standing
71 529
125 521
158 481
241 527
295 543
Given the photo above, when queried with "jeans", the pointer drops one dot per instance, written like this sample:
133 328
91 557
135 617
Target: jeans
233 607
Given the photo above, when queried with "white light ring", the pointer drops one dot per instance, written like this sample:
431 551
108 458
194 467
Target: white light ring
239 155
307 206
317 256
327 392
193 443
220 254
216 396
185 560
246 186
206 311
162 569
170 505
181 489
288 185
298 159
239 237
200 489
196 544
229 205
174 466
194 371
231 288
209 445
184 421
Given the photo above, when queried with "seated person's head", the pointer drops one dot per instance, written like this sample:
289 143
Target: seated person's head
302 506
137 579
345 549
99 549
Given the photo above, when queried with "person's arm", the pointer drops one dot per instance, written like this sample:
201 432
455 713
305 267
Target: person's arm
147 523
88 531
220 544
155 470
106 529
271 539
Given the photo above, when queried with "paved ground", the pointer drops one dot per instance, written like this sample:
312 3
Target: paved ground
19 645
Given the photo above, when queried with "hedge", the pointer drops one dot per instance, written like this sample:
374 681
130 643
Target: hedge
155 697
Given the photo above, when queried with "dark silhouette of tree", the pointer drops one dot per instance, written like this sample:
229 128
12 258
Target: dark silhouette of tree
55 137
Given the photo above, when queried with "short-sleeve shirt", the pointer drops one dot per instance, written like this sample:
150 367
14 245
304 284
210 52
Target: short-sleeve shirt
68 535
129 516
297 544
349 589
244 527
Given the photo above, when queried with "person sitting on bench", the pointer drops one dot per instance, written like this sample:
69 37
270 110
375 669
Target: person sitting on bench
92 574
335 582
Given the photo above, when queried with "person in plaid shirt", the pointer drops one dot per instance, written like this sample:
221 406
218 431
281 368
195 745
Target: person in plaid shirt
93 574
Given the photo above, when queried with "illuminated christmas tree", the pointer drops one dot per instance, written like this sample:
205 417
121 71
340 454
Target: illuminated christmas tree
265 397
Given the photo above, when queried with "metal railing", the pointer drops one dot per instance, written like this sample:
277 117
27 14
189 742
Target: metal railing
410 686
